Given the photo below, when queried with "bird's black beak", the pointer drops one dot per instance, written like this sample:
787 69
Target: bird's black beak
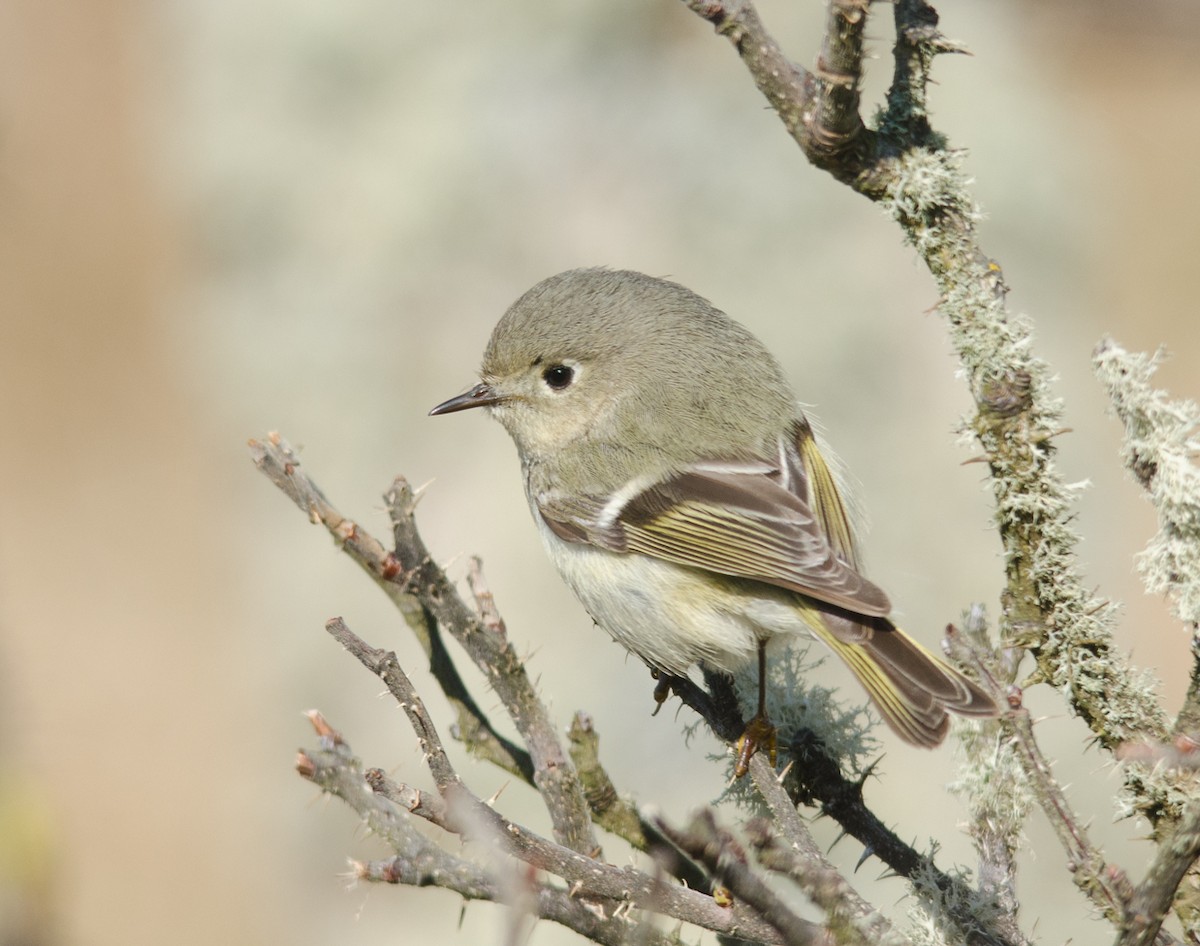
481 395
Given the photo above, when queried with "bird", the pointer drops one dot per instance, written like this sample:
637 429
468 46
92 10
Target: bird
684 498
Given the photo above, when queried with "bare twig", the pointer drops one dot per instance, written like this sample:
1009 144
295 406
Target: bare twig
827 888
1106 885
488 646
276 459
611 811
607 890
472 882
1155 895
785 844
384 665
413 800
717 850
421 591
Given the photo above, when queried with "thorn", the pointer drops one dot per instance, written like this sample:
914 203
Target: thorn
868 851
491 802
866 774
418 493
832 844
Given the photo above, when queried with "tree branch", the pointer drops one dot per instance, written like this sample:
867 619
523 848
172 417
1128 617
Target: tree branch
1159 450
992 781
488 646
720 854
611 890
785 844
1106 885
907 167
1156 894
816 778
421 590
276 459
1162 439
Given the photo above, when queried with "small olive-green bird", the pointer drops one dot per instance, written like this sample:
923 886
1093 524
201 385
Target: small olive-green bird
681 493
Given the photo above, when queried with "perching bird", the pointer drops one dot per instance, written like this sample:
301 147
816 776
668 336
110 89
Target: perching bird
682 495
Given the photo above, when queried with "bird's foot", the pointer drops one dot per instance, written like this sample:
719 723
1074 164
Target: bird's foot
759 734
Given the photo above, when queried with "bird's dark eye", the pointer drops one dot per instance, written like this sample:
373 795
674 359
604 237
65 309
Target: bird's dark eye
558 377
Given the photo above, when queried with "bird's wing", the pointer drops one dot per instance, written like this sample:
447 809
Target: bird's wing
779 522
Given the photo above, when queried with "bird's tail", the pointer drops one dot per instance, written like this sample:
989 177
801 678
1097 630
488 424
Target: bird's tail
912 689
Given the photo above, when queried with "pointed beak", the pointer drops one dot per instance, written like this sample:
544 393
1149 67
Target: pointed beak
482 395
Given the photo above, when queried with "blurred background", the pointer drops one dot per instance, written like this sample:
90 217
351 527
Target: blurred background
218 219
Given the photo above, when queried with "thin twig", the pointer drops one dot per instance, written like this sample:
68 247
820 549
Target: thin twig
1106 885
991 780
785 844
722 855
488 646
1154 896
817 779
427 599
276 459
609 891
611 811
472 882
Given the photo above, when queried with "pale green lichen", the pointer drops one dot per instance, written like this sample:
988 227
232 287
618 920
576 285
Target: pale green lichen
926 188
946 915
1161 440
795 703
1047 608
992 784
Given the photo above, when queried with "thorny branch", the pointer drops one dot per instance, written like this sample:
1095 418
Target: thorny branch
721 855
421 591
817 780
907 167
465 814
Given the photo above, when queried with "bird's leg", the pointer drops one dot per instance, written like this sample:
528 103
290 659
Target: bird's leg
759 733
